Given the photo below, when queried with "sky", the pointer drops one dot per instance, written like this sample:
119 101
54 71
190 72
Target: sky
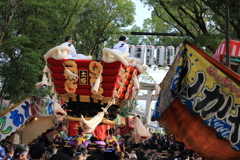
141 13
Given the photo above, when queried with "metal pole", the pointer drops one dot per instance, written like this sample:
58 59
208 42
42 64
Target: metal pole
227 34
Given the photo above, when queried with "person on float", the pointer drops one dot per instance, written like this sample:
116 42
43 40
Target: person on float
122 46
111 139
83 138
73 54
62 132
117 134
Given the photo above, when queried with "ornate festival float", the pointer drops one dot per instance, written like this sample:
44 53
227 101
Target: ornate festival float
91 94
199 103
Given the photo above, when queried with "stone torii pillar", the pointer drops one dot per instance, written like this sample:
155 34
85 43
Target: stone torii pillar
149 98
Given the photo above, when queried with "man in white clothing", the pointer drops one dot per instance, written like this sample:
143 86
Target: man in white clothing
122 45
68 42
73 54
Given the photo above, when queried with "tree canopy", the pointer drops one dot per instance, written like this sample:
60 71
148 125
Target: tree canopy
29 28
202 21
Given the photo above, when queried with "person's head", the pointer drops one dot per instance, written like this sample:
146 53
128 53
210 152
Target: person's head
20 153
83 150
37 151
170 152
52 149
8 149
63 127
2 153
185 153
96 155
67 150
60 156
78 156
48 155
68 39
122 38
111 131
118 130
128 149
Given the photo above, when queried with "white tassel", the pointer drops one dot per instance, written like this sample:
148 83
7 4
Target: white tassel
139 68
96 84
136 83
115 93
52 89
38 85
72 75
92 124
122 71
46 69
44 80
56 107
50 79
157 89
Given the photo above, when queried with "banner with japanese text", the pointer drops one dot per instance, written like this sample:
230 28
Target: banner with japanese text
208 88
11 121
17 115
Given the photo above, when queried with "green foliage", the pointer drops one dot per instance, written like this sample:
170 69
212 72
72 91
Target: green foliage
127 107
197 19
36 27
100 20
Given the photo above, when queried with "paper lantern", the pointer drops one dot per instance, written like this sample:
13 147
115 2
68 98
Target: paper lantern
169 55
140 52
150 55
160 51
132 50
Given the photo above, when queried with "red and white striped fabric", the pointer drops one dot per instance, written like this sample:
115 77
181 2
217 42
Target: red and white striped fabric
234 48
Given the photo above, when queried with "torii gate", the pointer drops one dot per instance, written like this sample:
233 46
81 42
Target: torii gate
149 98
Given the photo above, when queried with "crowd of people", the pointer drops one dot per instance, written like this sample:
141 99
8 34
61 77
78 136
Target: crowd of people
158 147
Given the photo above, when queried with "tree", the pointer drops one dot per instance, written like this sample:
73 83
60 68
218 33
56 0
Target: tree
8 8
100 20
36 27
219 8
191 18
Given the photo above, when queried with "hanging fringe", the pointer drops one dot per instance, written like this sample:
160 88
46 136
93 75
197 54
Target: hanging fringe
44 80
46 69
38 85
57 108
72 75
52 89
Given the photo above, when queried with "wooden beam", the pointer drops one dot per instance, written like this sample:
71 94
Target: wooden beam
146 86
156 34
144 97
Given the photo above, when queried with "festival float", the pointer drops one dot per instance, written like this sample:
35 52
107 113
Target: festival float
199 103
86 98
92 93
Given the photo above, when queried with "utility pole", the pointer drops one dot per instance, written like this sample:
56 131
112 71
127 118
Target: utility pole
227 34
